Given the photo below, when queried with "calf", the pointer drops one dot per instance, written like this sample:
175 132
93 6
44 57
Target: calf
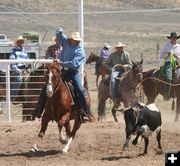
143 120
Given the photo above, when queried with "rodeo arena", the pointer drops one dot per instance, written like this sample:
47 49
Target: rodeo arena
126 57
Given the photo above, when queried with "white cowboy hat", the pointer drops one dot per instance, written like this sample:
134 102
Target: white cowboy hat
119 44
75 36
107 45
20 38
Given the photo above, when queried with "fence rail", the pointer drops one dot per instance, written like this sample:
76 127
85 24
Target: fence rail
6 105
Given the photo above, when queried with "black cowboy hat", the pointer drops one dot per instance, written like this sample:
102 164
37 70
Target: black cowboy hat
173 35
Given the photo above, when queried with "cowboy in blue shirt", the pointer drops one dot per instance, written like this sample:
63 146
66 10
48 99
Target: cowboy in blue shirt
72 56
19 53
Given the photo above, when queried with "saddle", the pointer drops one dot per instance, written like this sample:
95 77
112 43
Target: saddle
73 93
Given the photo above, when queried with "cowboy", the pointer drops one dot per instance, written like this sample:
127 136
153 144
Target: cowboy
72 56
122 57
104 54
19 53
170 53
54 51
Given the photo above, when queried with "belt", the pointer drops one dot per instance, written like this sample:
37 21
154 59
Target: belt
22 67
66 68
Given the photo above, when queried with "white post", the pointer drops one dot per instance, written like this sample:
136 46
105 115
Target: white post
81 30
8 101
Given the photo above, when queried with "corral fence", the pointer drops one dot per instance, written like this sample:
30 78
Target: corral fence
12 111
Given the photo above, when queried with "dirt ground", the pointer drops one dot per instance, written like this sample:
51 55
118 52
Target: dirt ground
97 143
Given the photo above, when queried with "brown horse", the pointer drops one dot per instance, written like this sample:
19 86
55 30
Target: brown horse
153 86
29 91
127 89
59 107
102 71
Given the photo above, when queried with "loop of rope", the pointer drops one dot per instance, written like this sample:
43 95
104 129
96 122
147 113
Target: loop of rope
153 78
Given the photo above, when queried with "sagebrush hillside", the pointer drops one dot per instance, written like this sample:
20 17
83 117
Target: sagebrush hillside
132 22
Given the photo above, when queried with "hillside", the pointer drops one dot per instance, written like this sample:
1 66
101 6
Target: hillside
68 5
140 30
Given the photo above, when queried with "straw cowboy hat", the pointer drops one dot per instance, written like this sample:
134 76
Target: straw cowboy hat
20 38
119 44
75 36
107 45
173 35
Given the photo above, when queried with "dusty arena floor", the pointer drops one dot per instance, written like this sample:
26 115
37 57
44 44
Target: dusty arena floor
97 143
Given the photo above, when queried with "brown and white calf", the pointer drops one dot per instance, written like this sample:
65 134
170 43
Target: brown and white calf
143 120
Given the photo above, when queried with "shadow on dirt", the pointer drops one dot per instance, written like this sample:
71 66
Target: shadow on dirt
115 158
31 154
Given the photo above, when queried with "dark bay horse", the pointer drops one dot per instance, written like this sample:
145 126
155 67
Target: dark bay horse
127 89
102 71
59 107
29 91
153 86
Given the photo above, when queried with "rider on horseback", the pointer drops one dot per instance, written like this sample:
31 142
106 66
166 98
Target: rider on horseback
72 56
104 54
118 57
170 53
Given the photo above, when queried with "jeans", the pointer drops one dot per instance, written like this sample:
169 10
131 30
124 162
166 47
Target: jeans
97 65
168 77
15 84
74 76
113 84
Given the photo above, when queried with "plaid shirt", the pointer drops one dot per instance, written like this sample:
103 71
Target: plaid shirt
53 51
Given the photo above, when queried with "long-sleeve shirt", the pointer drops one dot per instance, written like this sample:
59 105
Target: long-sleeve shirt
72 57
115 58
168 47
104 53
20 54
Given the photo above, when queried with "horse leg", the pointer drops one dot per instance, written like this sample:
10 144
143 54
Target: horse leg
114 109
76 126
44 123
97 77
177 109
64 138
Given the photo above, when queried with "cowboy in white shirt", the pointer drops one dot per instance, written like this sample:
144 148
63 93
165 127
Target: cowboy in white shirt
170 53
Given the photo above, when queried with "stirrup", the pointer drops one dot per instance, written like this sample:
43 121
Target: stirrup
83 117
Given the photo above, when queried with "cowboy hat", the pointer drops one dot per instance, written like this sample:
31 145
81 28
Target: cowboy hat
173 35
20 38
107 45
75 36
119 44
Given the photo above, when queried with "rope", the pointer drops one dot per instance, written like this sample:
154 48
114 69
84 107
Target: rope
160 81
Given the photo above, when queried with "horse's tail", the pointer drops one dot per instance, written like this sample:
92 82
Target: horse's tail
103 94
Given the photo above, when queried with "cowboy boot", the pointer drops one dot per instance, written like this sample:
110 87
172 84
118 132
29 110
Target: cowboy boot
37 112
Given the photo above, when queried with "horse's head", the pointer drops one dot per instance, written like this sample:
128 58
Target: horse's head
137 69
53 78
92 58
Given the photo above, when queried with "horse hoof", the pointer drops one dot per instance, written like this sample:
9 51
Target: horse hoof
64 151
34 148
63 142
